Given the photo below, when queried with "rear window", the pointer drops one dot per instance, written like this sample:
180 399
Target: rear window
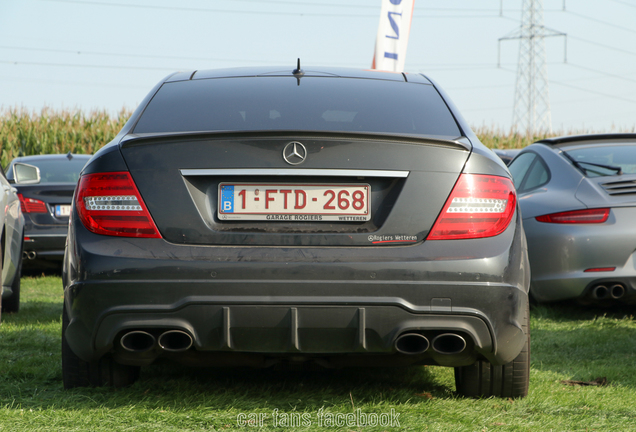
310 104
604 160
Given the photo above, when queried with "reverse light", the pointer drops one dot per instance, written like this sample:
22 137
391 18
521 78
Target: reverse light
586 216
110 204
479 206
30 205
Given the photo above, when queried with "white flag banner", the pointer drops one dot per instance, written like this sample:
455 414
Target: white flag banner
393 35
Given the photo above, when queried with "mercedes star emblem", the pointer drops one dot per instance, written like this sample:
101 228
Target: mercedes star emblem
294 153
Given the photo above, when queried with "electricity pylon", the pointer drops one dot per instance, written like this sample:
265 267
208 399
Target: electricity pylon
532 97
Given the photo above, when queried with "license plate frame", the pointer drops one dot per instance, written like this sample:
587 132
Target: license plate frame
294 202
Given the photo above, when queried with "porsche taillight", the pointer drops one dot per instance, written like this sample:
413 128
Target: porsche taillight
110 204
479 206
30 205
585 216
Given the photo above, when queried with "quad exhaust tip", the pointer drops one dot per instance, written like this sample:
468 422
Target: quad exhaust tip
137 341
411 343
175 341
449 343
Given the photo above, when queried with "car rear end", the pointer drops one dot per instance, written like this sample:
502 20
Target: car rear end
587 250
46 206
315 230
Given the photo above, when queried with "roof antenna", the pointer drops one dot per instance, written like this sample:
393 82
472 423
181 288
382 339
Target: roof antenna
298 72
69 155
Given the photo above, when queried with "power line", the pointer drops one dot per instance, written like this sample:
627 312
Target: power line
624 3
21 63
424 67
602 73
282 13
367 6
613 25
148 56
193 9
375 7
74 83
594 92
478 87
582 89
603 45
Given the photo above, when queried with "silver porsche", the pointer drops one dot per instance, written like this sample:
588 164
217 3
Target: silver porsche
578 200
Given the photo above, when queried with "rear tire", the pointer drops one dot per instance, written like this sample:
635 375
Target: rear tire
511 380
104 372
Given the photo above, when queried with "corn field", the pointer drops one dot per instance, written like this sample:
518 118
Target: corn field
50 131
25 133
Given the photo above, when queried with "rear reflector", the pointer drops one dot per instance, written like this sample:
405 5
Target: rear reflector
30 205
587 216
599 269
110 204
479 206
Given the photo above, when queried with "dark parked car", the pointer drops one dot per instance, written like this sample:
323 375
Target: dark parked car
12 227
249 217
578 200
45 200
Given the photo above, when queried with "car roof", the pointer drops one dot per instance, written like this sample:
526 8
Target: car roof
289 71
588 138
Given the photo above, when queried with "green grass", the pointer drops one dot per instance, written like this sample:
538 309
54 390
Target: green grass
568 343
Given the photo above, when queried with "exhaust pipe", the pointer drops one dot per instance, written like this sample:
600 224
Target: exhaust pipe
600 292
617 291
449 343
175 341
25 255
29 255
137 341
411 343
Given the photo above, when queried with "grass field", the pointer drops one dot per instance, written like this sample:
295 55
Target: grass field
568 343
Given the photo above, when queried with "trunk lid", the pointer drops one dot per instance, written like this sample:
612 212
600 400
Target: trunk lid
180 176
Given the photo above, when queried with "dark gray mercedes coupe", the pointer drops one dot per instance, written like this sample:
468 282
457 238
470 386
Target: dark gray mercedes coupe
250 217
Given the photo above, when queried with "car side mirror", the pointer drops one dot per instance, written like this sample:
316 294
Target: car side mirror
26 174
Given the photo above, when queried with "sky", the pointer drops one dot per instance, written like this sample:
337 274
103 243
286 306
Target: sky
108 54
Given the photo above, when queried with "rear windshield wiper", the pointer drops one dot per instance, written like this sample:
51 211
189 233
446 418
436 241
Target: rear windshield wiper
578 164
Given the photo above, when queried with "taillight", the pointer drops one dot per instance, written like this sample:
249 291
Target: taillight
587 216
110 204
30 205
479 206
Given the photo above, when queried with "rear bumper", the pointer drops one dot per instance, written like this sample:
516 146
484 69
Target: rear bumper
560 253
257 305
44 246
